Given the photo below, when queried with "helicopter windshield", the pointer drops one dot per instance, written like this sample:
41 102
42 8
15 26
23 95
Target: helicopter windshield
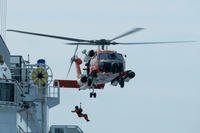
110 56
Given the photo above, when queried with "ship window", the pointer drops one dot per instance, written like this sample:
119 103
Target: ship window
6 92
17 64
59 130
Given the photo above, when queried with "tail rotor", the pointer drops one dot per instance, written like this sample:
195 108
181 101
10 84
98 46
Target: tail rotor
72 60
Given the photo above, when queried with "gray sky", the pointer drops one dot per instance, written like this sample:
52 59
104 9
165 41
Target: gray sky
163 97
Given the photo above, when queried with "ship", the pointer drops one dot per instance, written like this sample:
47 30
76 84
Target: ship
26 92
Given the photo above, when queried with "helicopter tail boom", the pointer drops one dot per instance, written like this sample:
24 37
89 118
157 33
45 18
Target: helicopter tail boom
66 83
73 84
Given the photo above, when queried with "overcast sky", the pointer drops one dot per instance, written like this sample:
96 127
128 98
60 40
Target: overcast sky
164 95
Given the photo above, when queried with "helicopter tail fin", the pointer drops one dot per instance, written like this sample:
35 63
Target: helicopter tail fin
78 62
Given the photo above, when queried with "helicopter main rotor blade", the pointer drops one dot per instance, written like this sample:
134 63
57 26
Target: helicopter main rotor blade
131 43
127 33
143 43
72 60
79 43
51 36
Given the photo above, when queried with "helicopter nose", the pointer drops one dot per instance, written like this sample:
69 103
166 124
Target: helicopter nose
117 67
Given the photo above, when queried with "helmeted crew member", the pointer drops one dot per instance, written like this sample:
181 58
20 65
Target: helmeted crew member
79 111
87 59
4 70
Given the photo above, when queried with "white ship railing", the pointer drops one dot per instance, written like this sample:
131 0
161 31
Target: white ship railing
53 92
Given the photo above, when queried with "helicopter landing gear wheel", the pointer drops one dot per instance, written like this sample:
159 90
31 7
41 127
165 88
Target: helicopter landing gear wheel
93 94
121 82
90 95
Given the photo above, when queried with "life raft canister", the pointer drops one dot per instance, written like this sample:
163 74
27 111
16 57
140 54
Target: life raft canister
40 76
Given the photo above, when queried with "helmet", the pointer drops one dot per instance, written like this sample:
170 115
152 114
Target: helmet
91 53
76 107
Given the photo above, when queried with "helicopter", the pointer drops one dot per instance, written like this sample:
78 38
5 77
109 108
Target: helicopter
102 66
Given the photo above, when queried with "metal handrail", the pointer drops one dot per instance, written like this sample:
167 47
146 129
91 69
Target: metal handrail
53 92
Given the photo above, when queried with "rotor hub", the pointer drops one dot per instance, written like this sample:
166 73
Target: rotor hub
102 42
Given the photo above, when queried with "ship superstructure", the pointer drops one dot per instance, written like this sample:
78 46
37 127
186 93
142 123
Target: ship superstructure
25 94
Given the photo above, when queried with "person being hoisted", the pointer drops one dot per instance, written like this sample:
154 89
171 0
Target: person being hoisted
78 111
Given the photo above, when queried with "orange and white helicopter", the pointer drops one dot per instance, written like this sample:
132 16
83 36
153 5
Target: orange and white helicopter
101 66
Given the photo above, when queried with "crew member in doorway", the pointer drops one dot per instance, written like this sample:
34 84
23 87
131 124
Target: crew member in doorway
4 70
78 111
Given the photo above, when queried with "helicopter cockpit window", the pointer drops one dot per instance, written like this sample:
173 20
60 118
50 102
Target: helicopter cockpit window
118 56
103 56
110 56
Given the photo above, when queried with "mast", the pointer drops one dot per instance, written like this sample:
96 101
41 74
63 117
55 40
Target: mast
3 6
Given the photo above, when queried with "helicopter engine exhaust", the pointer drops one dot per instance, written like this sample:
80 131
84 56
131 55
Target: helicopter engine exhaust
129 76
